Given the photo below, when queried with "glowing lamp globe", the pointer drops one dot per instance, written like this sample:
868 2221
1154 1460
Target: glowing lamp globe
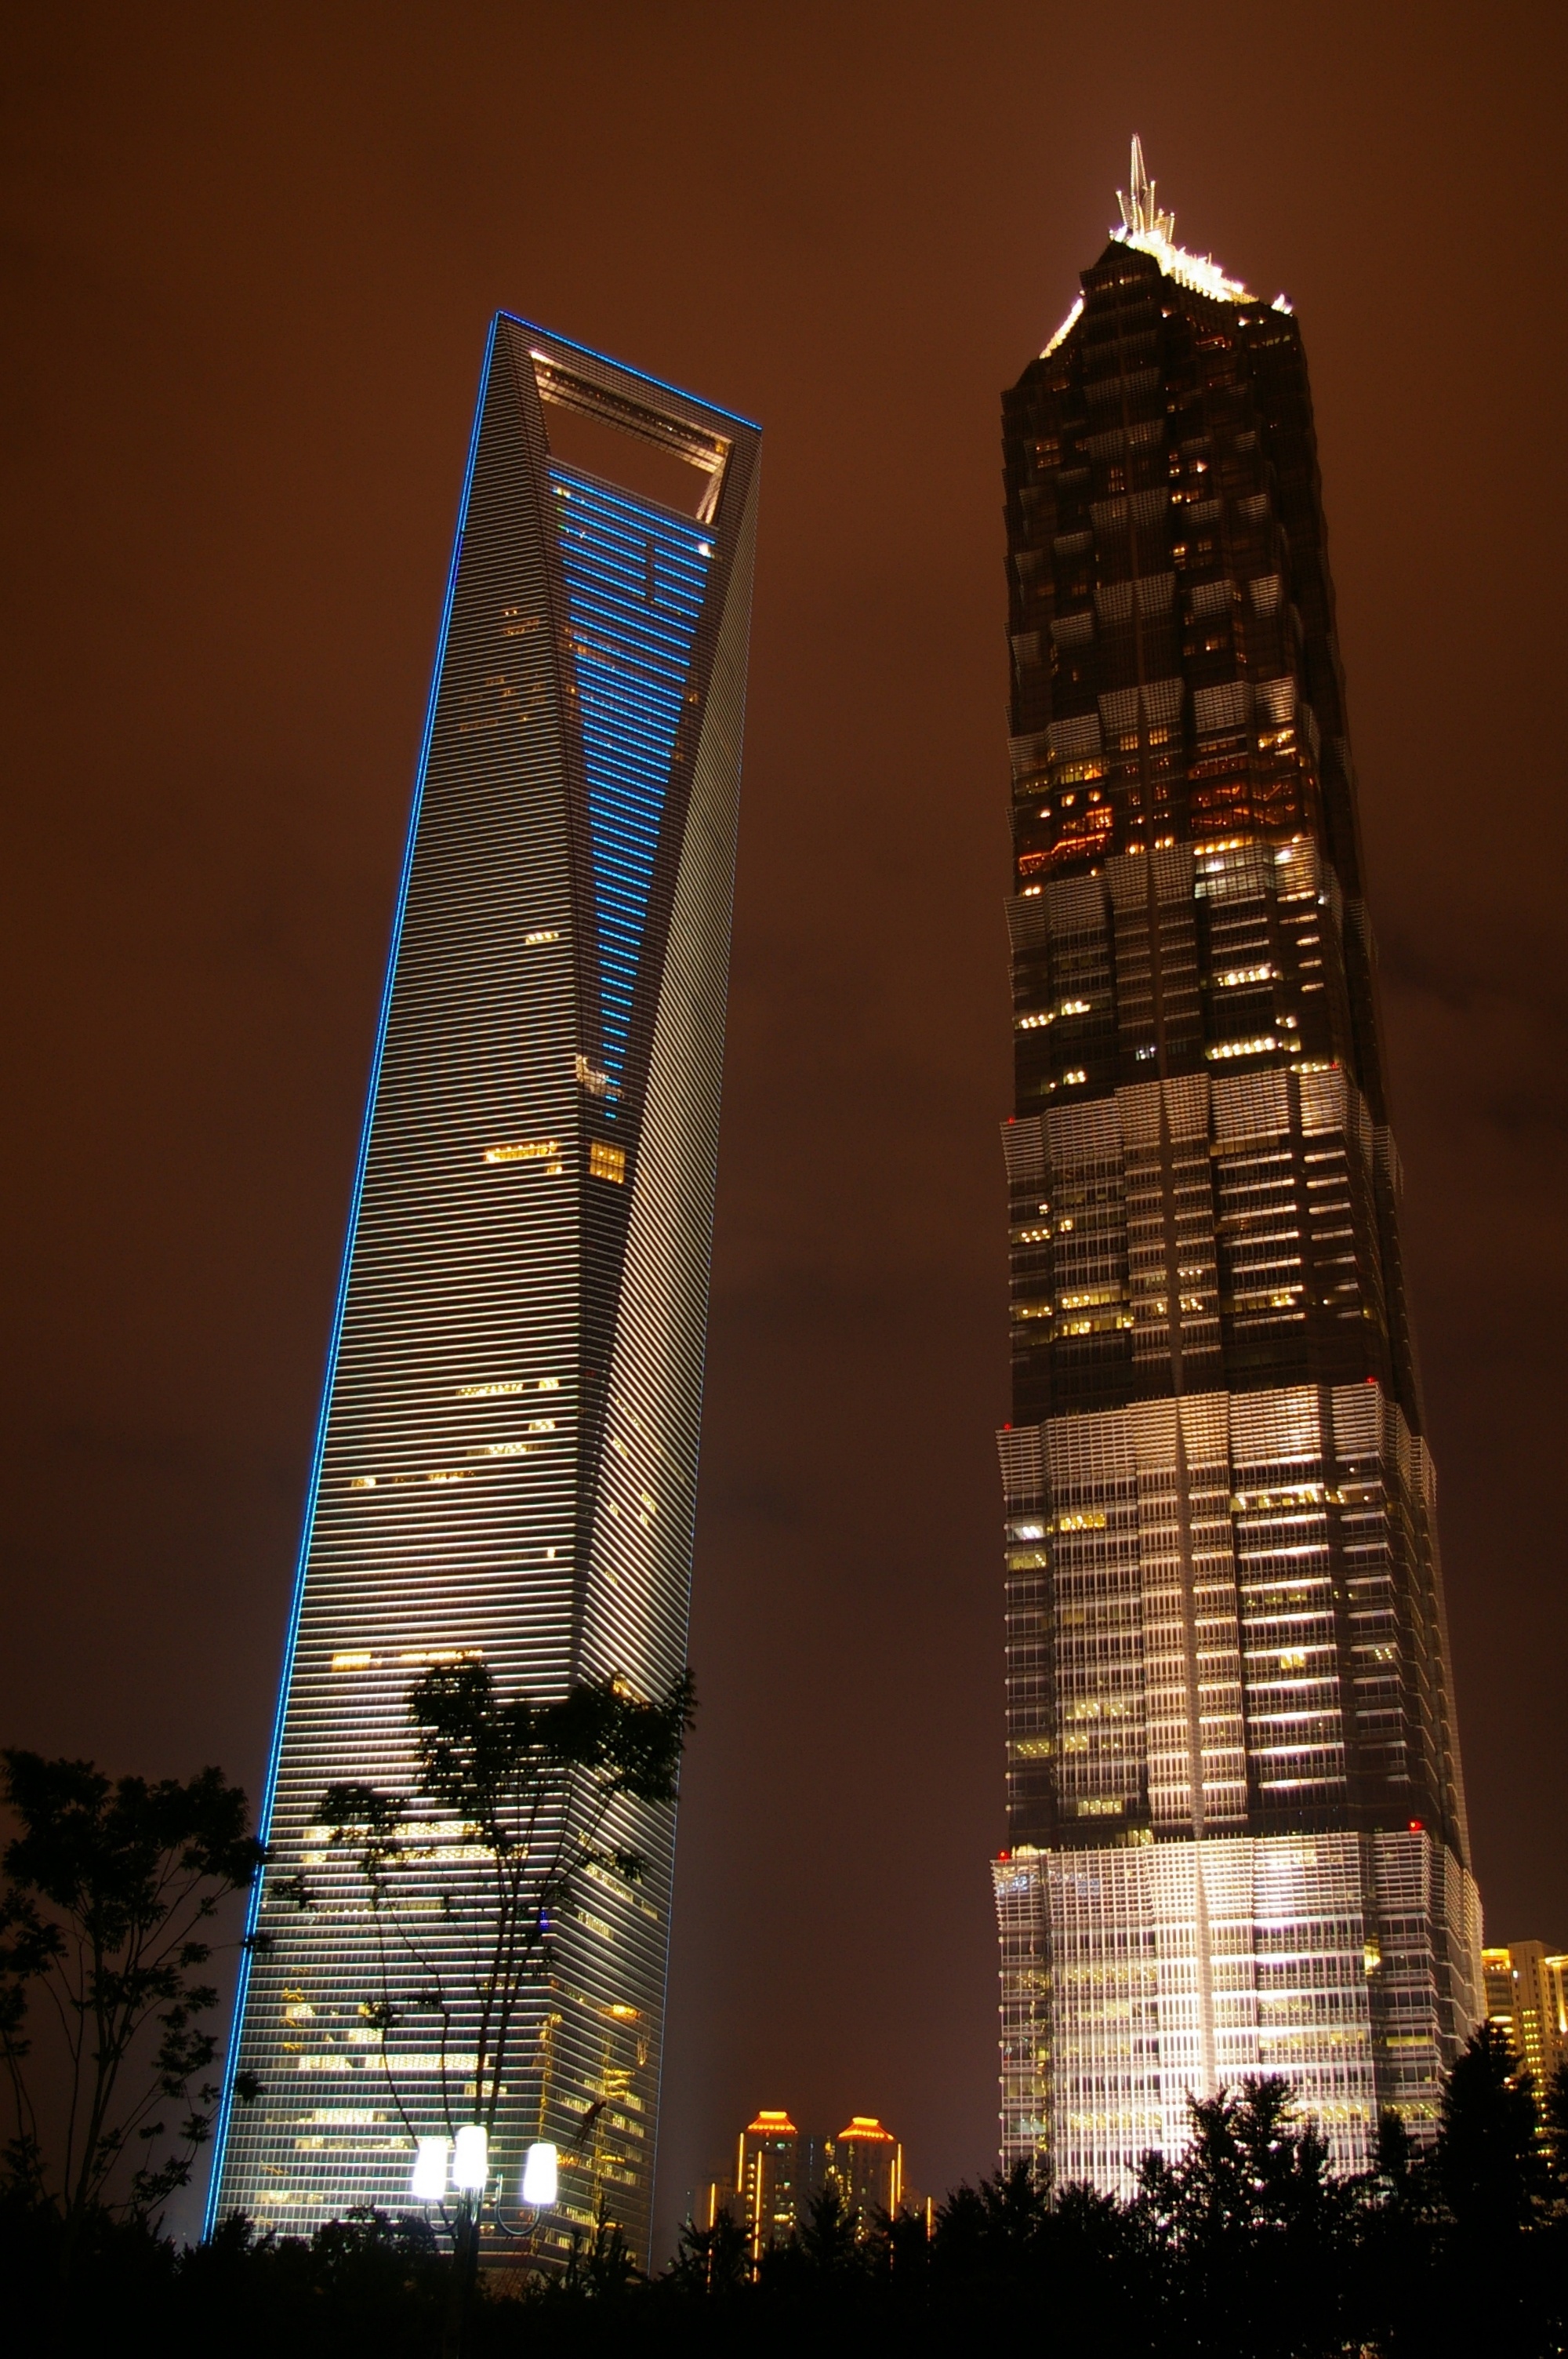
540 2176
429 2183
471 2159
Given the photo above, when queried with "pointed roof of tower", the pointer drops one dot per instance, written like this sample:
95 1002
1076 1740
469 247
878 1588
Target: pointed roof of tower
1148 230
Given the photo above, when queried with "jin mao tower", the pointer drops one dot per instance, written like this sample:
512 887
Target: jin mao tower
1236 1819
506 1461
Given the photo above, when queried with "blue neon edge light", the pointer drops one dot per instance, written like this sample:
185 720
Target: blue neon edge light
264 1823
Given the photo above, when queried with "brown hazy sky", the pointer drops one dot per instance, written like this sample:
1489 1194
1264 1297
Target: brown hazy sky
251 254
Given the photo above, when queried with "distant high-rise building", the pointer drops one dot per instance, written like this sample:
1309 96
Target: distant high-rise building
770 2189
1236 1824
867 2166
779 2171
506 1464
1527 1998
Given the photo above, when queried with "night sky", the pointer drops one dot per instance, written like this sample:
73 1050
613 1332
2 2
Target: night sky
250 255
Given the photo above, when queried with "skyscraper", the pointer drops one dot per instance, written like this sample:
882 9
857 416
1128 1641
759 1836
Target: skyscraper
1525 1994
867 2164
1236 1825
771 2189
506 1461
780 2172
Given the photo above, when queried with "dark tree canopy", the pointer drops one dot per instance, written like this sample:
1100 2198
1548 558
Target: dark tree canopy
1240 2246
110 1889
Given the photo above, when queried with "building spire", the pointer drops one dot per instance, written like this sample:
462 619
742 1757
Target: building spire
1140 217
1147 229
1151 231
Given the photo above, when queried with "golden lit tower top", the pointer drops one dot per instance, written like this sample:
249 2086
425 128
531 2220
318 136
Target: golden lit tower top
1147 229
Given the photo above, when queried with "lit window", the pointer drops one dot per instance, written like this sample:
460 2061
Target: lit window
488 1392
547 1385
541 1425
596 1083
549 934
606 1162
1078 1074
1242 1047
355 1662
361 1482
524 1150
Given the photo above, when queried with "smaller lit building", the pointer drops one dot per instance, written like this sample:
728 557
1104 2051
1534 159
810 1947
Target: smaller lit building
1527 1998
768 2187
867 2164
779 2170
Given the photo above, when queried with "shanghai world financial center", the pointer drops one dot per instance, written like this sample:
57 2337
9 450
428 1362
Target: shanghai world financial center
507 1455
1236 1837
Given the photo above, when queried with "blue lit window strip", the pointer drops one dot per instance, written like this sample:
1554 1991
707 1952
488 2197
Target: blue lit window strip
631 659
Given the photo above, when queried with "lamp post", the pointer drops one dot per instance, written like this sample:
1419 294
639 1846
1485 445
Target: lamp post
467 2158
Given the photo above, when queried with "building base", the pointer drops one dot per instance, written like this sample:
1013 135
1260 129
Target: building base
1138 1975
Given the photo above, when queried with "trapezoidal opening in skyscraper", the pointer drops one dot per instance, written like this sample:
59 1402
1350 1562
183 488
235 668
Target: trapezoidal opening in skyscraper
631 443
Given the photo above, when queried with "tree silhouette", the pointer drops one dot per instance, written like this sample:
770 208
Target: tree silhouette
1490 2164
111 1886
712 2261
524 1788
1248 2206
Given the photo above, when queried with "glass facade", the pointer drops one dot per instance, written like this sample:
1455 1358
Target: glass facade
1236 1819
506 1462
